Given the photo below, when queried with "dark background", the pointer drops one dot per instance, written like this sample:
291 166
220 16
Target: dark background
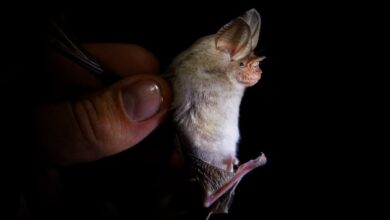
299 114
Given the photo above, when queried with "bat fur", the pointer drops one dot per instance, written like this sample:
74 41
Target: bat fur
209 80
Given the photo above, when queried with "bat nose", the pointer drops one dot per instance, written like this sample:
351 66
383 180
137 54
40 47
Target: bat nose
255 66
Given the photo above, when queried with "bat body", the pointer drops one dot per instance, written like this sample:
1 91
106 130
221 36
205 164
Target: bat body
209 80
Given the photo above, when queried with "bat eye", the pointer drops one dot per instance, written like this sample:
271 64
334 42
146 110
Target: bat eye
242 64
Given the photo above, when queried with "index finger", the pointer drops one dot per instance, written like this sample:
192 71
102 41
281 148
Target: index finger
123 59
118 58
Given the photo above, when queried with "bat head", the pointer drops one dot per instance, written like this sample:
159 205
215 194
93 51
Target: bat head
227 54
237 40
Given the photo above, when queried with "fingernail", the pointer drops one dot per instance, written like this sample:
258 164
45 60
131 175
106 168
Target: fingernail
142 99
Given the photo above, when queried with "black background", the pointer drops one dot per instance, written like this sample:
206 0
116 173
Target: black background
299 114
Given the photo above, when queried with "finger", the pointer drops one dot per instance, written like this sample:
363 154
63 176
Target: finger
99 125
121 59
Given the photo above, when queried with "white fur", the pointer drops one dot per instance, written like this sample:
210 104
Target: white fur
207 99
207 92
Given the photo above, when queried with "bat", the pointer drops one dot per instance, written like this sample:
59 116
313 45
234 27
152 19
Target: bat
209 80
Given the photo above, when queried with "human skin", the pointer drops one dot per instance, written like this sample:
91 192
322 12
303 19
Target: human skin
98 121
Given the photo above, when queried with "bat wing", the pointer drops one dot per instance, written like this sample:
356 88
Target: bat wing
211 179
218 184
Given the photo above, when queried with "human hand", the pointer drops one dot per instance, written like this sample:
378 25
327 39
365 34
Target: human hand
108 120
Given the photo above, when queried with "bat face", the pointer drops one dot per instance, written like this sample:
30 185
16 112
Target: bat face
247 70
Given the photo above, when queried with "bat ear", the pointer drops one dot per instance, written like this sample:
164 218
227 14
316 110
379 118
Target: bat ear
240 36
252 18
234 39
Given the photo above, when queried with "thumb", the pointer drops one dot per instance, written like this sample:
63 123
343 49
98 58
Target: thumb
102 124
